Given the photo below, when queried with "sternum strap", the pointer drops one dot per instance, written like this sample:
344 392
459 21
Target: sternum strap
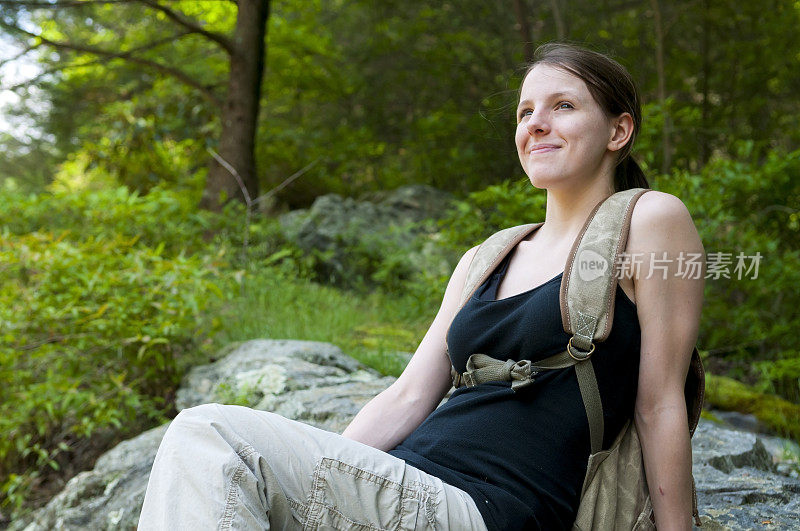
483 368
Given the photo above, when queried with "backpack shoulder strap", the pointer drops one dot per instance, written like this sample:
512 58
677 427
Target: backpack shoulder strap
490 253
588 287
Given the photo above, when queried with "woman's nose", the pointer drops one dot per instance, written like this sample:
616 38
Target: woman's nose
538 124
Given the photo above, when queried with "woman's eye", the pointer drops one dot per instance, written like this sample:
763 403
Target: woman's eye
568 105
525 112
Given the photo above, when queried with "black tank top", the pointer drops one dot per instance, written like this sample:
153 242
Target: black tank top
522 456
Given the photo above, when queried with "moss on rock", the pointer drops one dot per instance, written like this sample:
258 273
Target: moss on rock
777 413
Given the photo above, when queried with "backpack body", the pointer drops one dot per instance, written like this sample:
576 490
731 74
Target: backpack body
614 495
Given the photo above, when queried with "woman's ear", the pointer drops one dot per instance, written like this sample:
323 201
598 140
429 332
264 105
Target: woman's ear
621 131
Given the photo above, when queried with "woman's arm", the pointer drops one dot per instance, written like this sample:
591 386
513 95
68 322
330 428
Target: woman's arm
669 307
386 420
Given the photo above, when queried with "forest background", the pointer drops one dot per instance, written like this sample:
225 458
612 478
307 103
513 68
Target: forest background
122 264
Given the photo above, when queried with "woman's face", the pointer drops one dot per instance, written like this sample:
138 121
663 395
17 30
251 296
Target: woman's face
563 136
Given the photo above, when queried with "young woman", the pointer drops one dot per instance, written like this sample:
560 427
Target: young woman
489 458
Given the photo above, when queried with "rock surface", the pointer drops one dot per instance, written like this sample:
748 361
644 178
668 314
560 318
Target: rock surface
744 480
738 482
345 233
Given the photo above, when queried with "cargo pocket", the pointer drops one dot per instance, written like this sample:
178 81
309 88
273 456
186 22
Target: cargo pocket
349 498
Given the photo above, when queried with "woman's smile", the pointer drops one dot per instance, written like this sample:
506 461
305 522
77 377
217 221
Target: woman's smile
543 148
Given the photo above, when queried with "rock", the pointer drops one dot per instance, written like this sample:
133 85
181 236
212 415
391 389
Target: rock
743 479
348 235
304 380
738 486
108 497
742 421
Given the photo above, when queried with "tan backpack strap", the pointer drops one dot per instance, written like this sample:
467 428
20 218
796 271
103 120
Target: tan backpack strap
695 512
587 382
589 283
490 253
587 294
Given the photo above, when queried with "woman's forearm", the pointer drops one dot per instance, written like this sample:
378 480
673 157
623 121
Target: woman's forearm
667 453
386 420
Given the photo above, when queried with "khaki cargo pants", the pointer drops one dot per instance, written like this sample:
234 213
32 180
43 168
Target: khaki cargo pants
231 467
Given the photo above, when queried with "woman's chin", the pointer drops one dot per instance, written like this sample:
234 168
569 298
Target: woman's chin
543 182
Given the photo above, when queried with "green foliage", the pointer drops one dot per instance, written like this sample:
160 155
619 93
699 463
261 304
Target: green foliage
275 303
404 258
749 205
396 93
781 376
485 211
167 217
102 310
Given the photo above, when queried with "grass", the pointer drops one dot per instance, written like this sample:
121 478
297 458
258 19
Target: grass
374 328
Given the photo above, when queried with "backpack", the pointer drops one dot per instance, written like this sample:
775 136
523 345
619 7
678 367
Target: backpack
614 495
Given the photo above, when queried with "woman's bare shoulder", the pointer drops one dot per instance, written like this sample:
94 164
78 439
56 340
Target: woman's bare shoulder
662 222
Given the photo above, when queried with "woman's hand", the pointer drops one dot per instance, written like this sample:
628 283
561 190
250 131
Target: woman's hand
669 300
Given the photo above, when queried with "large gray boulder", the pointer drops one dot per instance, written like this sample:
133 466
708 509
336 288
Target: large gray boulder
744 480
309 381
349 237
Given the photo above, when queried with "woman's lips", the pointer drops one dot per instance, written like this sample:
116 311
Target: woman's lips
543 148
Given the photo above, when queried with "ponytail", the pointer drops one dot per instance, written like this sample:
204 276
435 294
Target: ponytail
628 174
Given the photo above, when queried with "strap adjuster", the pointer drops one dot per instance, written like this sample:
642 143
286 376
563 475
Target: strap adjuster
456 377
468 379
578 354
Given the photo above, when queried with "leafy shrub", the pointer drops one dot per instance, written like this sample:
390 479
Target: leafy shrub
161 217
748 205
472 219
782 376
99 318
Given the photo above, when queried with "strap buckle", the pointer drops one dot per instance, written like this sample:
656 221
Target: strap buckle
521 374
469 379
462 378
456 377
576 353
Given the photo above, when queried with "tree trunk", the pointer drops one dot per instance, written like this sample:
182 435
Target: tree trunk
561 31
524 29
666 160
705 53
240 111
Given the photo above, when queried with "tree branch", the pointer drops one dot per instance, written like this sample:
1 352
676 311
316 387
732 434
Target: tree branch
192 25
20 54
127 55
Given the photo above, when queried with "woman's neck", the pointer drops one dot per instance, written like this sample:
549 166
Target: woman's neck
569 208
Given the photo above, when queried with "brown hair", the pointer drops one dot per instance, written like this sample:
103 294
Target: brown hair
613 89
